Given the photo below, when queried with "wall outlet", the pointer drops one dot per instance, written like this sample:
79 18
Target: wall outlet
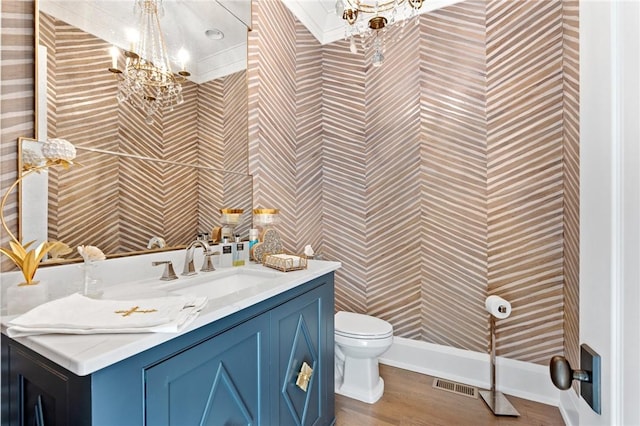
590 391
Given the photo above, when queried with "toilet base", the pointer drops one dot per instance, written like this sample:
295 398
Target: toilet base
369 396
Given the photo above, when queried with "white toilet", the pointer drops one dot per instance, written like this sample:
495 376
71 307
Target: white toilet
360 340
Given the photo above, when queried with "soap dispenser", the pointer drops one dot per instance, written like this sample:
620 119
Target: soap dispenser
240 252
226 253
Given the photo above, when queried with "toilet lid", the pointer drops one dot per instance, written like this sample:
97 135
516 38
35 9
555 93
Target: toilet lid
351 324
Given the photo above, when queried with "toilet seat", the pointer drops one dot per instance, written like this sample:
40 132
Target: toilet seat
359 326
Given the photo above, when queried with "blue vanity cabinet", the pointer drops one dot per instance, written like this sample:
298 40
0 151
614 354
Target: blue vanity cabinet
36 392
222 381
300 334
240 369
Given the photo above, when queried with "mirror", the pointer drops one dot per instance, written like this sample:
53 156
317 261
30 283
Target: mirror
148 203
200 145
213 33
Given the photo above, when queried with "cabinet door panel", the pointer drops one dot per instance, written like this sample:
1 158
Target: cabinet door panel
40 393
221 381
296 333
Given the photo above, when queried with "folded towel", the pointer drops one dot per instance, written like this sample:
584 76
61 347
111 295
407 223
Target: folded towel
77 314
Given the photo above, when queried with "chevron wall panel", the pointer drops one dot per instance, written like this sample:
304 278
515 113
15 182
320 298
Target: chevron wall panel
16 100
210 152
46 37
393 185
272 136
308 141
135 137
80 61
69 208
571 173
525 174
235 122
235 149
344 173
180 185
453 227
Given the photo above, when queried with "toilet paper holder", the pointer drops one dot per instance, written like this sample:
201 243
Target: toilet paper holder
495 400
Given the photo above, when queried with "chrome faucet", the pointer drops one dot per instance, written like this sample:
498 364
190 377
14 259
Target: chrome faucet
189 268
207 266
168 274
158 242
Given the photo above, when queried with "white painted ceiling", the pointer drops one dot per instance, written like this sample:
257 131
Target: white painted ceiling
185 21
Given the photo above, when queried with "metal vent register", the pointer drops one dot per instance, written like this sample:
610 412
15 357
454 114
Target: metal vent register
458 388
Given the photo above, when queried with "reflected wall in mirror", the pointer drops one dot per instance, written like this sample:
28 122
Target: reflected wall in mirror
119 202
77 101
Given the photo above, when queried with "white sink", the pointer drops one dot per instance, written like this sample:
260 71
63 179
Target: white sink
218 284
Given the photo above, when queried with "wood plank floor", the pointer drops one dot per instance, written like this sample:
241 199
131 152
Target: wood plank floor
410 400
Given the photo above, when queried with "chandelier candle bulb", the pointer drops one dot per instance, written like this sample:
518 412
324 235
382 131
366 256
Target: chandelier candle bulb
114 57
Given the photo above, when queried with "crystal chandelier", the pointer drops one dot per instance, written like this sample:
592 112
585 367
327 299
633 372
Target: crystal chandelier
147 81
370 19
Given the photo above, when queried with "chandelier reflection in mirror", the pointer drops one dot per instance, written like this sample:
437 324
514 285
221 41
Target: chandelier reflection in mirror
370 19
147 81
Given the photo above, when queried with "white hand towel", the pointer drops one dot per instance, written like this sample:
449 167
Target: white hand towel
77 314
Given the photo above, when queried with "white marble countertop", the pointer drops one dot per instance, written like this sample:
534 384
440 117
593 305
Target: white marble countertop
85 354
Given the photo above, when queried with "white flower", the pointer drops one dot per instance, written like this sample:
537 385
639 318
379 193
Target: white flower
31 159
308 251
90 253
59 149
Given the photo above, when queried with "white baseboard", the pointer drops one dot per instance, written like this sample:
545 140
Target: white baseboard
568 406
521 379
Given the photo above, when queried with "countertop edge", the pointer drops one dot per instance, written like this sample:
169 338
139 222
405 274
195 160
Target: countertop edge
87 354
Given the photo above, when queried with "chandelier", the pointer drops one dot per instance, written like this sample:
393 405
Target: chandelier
370 19
147 81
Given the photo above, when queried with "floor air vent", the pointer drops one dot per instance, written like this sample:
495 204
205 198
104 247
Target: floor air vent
459 388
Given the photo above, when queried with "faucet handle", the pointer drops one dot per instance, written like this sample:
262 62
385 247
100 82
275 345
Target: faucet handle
168 274
207 266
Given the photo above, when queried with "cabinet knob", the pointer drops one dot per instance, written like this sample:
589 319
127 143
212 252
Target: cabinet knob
304 376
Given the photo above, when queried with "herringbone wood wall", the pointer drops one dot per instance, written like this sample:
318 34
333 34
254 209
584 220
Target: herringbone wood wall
332 163
442 174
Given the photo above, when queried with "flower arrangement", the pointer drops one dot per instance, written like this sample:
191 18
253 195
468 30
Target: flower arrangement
55 152
90 253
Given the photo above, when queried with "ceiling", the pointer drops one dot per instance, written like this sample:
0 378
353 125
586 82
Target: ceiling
185 22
